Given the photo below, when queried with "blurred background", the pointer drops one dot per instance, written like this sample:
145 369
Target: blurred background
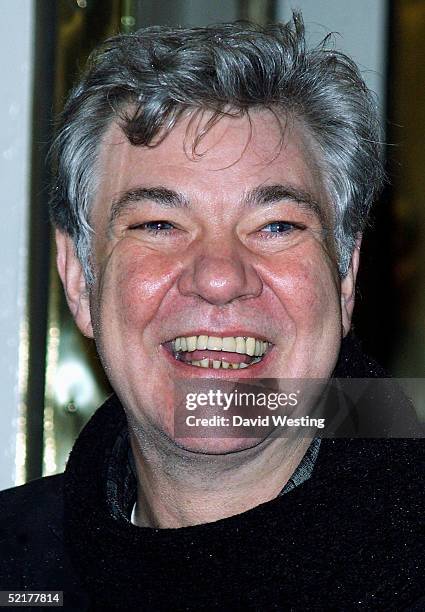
50 377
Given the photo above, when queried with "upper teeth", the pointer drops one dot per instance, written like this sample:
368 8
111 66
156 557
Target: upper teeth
243 345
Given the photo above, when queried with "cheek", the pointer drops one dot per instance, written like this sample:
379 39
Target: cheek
133 285
307 286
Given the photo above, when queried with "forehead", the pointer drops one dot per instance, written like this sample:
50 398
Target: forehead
237 154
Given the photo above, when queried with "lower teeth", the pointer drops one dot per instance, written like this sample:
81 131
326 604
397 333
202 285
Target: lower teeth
215 364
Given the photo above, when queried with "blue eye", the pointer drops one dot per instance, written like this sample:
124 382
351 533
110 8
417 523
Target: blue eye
154 227
278 227
158 226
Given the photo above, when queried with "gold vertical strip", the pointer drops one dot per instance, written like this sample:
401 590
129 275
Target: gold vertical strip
75 24
52 358
407 129
128 16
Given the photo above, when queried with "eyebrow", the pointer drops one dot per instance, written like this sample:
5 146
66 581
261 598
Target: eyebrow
168 198
132 198
271 194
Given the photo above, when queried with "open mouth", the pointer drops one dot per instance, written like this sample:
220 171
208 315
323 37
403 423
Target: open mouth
229 352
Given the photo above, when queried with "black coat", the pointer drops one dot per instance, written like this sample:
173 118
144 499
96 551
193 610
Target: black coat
358 541
32 554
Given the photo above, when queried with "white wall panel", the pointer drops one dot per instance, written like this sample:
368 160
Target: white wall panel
16 29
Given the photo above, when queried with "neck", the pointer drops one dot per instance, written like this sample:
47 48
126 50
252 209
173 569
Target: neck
178 488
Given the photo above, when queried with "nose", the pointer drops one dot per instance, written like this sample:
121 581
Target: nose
219 275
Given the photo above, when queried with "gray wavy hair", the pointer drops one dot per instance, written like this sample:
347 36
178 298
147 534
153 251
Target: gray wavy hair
160 73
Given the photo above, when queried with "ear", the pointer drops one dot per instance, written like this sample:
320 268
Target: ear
348 288
74 284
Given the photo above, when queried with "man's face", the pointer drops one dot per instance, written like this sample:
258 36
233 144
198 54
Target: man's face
195 254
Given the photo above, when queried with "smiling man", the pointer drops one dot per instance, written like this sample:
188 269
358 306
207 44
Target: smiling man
211 193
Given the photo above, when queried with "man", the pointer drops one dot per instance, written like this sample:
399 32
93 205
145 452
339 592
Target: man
211 192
